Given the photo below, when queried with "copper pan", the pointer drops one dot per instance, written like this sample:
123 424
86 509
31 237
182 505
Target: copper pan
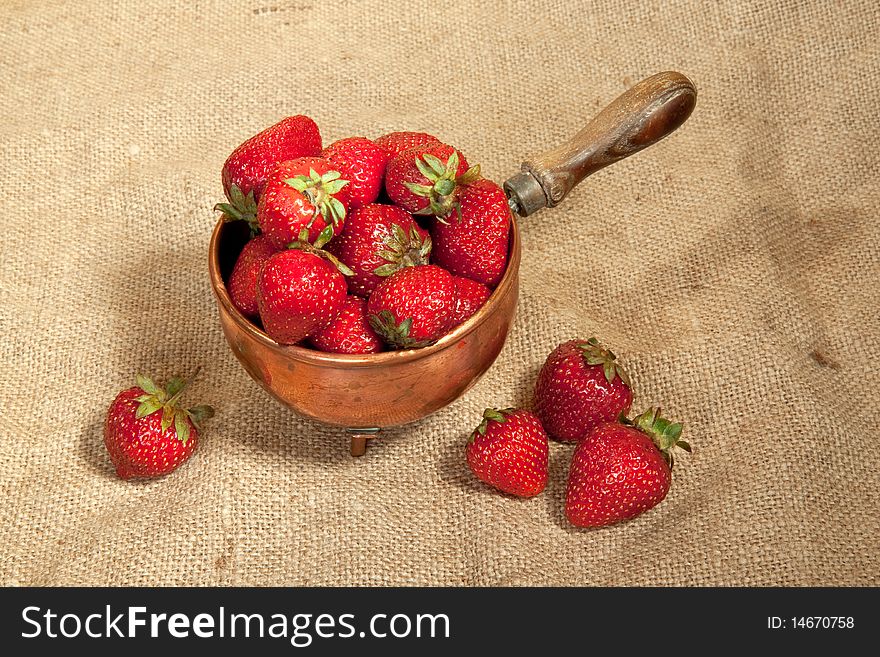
364 394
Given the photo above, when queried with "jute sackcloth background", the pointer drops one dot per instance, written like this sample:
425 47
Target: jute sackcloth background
734 267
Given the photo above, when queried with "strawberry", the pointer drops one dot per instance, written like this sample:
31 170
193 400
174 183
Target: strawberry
509 450
579 386
474 242
148 433
395 143
470 297
377 241
362 164
242 284
423 180
350 332
303 193
621 470
413 307
245 171
300 291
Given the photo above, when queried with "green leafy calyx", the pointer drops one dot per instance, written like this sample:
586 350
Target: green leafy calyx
595 354
403 250
394 333
443 181
302 243
240 208
167 400
321 191
665 434
491 415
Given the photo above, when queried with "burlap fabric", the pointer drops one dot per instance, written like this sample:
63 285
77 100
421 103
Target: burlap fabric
734 267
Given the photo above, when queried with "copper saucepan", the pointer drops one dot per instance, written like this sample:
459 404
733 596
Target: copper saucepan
366 393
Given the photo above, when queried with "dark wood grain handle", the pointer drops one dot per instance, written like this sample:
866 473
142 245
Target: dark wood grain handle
641 116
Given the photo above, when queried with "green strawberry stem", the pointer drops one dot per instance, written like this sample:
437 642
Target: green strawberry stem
595 354
403 250
665 434
240 208
443 181
394 333
177 385
167 399
302 243
321 190
491 415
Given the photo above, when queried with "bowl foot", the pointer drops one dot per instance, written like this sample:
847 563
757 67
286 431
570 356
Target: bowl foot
359 438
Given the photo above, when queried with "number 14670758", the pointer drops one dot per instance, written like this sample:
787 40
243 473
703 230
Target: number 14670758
810 623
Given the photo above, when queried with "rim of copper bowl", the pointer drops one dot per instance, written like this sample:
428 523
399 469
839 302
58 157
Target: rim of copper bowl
363 360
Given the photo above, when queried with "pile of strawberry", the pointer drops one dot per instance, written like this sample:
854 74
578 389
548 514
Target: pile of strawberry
620 468
362 245
367 245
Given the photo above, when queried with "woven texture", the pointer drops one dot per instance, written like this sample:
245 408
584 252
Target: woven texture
734 268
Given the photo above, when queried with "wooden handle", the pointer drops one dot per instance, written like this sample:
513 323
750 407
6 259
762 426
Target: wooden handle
641 116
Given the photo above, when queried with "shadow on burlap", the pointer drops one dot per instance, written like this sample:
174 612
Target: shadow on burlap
734 267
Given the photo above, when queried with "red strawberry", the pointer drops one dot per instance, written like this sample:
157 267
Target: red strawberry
350 332
470 297
580 385
377 241
397 142
423 180
242 284
413 307
474 242
509 451
303 193
300 291
245 171
147 433
362 164
620 471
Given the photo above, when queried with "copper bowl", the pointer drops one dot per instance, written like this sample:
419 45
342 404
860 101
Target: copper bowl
365 393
